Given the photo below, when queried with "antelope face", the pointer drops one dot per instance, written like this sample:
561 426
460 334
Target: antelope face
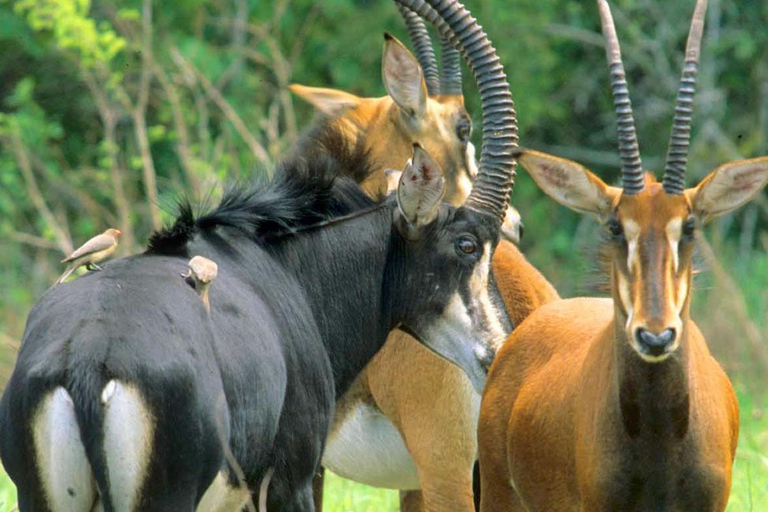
389 126
651 238
451 301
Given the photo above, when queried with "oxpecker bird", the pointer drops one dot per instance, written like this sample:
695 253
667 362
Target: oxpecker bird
202 271
91 252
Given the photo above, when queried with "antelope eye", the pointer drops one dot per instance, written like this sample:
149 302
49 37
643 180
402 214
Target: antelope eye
464 131
616 229
689 228
466 245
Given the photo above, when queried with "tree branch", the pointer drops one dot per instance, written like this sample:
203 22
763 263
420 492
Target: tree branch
256 148
108 118
63 241
140 114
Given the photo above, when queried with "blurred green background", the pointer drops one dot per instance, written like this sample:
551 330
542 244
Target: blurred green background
108 116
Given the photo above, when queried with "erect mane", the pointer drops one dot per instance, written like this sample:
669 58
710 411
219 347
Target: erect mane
311 187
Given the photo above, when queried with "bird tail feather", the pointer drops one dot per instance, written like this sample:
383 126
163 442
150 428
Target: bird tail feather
66 274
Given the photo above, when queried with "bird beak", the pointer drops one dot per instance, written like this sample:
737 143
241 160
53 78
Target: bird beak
118 232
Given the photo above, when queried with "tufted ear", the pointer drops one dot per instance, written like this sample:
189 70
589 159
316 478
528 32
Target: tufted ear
328 101
420 190
728 187
403 78
569 183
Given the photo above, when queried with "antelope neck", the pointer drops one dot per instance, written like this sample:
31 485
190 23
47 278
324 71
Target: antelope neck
653 397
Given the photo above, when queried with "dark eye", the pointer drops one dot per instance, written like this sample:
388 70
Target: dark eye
689 228
464 130
466 245
616 229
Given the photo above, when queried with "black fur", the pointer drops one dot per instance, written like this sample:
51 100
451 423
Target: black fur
316 184
312 277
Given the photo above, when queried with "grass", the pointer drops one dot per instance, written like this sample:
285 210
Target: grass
748 494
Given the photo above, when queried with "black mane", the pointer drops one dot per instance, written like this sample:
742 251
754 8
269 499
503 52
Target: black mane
317 183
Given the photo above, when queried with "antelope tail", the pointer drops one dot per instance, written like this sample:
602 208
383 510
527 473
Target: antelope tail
263 489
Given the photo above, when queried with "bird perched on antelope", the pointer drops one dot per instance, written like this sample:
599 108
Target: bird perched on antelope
91 252
202 271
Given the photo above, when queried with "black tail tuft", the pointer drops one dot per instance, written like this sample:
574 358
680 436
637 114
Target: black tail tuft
172 240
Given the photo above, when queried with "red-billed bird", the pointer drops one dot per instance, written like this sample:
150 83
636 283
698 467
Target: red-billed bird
91 252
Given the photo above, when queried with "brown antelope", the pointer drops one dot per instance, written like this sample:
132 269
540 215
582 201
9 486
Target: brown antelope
598 404
410 420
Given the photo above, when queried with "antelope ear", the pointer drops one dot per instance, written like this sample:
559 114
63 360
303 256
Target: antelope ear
569 183
729 186
420 190
403 78
328 101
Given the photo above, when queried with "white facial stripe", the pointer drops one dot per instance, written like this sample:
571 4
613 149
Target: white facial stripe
632 234
674 229
471 163
625 295
479 288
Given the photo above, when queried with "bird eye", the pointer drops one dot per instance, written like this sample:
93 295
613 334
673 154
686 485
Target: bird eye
466 245
464 130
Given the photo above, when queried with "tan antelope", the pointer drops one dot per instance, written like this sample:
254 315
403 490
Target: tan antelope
410 420
599 404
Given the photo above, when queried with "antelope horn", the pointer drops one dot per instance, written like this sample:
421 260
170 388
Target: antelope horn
631 167
422 44
680 139
450 71
496 176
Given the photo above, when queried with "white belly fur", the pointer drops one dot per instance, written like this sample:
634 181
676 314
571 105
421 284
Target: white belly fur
367 448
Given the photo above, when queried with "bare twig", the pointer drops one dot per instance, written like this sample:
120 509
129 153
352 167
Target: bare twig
739 308
256 148
238 41
22 158
109 119
140 114
183 144
33 240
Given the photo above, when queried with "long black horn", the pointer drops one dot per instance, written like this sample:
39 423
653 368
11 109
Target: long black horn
680 139
422 44
631 167
450 71
497 163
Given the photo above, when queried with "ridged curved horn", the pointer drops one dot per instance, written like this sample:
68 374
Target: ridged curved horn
680 138
450 69
631 166
496 177
422 45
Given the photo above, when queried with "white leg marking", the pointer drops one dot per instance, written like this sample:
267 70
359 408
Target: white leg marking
222 497
61 461
128 437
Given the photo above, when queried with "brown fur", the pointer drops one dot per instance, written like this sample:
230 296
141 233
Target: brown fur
577 415
429 400
434 412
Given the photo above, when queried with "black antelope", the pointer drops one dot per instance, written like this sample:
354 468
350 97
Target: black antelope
599 404
409 422
128 395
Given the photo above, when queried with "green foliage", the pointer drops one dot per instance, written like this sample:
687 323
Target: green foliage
71 83
72 28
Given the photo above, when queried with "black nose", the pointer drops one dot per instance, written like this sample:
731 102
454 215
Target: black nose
654 344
